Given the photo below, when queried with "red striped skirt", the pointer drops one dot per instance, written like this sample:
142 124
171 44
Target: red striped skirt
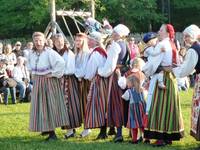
95 115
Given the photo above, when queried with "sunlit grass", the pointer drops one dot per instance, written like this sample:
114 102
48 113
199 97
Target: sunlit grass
14 134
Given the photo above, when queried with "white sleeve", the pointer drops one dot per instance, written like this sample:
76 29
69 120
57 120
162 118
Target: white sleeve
92 65
111 61
188 64
70 65
80 72
126 96
57 63
122 82
151 66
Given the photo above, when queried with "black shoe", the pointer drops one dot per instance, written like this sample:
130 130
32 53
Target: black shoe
69 136
101 136
112 131
140 140
44 133
118 139
51 138
146 141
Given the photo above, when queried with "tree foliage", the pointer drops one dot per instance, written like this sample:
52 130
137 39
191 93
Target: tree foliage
20 18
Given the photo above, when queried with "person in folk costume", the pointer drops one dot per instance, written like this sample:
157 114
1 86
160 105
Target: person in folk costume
165 103
134 71
116 53
82 54
134 94
48 109
95 113
191 63
70 85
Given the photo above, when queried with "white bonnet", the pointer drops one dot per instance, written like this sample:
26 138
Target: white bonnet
122 30
96 36
193 31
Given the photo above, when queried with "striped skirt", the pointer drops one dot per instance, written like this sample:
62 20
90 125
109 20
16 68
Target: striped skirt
95 114
136 115
47 110
72 100
115 112
195 119
164 118
84 87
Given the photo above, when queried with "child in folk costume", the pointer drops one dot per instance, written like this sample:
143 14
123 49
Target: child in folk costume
135 70
137 106
48 109
151 40
95 115
82 54
70 86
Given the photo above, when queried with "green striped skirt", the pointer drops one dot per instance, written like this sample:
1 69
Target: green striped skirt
164 118
48 109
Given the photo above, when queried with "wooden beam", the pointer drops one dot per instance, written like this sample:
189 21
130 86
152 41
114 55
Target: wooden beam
53 16
73 13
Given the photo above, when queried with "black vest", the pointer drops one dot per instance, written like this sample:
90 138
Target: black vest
196 47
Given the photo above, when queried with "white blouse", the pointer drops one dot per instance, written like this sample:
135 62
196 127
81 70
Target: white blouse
163 59
188 65
111 61
69 58
48 61
81 60
95 61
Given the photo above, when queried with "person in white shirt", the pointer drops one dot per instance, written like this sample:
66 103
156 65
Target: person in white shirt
69 85
95 115
82 54
191 63
48 109
21 76
164 103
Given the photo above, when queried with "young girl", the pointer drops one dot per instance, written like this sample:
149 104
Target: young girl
137 106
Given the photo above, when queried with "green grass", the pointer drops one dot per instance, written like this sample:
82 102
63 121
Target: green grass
14 134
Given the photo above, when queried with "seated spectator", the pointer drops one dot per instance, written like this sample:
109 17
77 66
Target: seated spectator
4 88
17 49
21 75
29 47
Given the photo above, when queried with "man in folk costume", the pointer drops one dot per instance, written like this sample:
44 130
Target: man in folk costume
164 103
95 115
116 53
191 63
48 109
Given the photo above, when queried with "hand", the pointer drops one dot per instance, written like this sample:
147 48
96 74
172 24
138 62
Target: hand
117 71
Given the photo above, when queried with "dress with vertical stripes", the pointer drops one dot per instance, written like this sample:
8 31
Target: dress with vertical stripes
164 118
95 115
72 100
48 110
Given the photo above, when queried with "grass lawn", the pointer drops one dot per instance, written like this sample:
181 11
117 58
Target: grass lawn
14 134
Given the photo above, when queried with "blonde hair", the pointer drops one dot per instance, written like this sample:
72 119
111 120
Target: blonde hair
135 82
85 47
137 63
6 48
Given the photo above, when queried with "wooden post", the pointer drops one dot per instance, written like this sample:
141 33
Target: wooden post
93 8
53 17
